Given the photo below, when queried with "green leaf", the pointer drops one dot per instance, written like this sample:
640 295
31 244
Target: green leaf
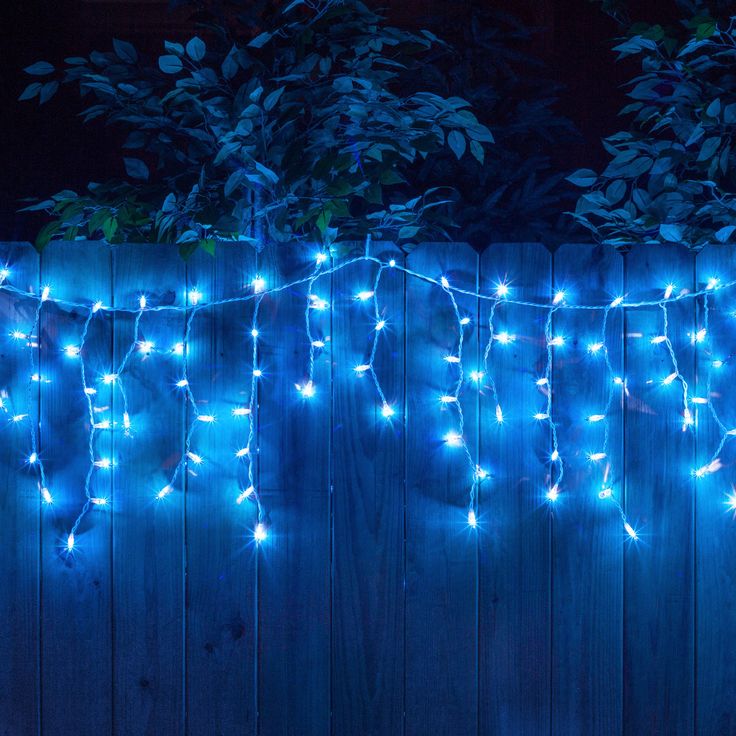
125 51
109 228
170 64
456 141
45 234
323 220
196 49
208 245
39 69
582 178
135 168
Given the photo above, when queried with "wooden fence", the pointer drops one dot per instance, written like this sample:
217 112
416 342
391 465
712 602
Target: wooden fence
372 607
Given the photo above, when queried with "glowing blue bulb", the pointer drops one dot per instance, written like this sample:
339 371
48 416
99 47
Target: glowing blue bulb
98 501
445 283
45 293
472 520
712 282
557 341
731 501
182 383
542 381
553 493
146 347
18 335
109 378
559 297
254 332
502 290
698 336
605 493
307 390
46 495
4 274
19 417
126 420
362 368
32 458
630 530
321 257
594 347
499 414
104 424
242 452
465 321
541 415
363 296
452 358
71 351
476 376
206 418
257 372
196 459
142 301
258 283
617 301
595 457
555 456
447 399
717 364
195 296
241 411
245 494
392 263
97 306
165 491
70 542
596 417
260 533
658 339
318 343
178 348
380 325
104 463
504 338
669 379
387 411
668 291
316 302
453 439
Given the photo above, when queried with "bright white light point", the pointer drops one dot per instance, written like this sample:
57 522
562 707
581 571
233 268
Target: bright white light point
97 306
499 414
308 390
72 351
699 336
668 380
104 424
164 492
555 456
630 530
731 501
445 283
618 380
453 439
146 347
45 293
142 301
70 543
321 257
258 283
316 302
4 274
206 418
245 494
448 399
380 325
476 376
182 383
362 368
387 411
36 377
594 457
32 458
668 291
126 420
105 463
596 417
687 417
363 295
194 296
260 533
318 344
698 400
392 263
558 340
553 493
480 473
19 417
254 332
18 335
242 452
542 381
605 493
618 300
46 495
658 339
178 348
241 411
505 338
541 415
717 364
502 290
472 521
465 321
712 283
196 459
98 501
109 378
452 358
559 297
257 372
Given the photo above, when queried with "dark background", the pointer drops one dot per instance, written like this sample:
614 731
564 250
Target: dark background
46 149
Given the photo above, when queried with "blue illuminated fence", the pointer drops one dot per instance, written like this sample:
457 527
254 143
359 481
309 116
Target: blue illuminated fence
448 493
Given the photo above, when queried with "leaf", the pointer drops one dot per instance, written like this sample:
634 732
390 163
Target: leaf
709 147
170 64
47 92
125 51
196 49
260 40
272 98
407 232
109 228
670 233
343 85
136 169
208 245
174 48
323 220
233 182
270 175
456 141
39 69
45 234
477 150
30 91
724 234
583 178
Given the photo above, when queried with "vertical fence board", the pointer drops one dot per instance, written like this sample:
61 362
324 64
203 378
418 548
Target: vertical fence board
294 565
658 579
587 562
441 549
221 554
514 520
76 588
147 532
715 547
20 502
368 498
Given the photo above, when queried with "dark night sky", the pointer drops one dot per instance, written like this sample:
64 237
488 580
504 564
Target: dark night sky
46 149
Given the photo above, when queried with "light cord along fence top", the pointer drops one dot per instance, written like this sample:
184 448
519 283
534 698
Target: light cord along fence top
475 377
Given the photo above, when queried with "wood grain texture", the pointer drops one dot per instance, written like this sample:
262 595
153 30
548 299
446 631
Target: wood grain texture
441 549
515 551
368 505
715 545
294 567
221 553
76 605
658 573
20 509
588 534
148 534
